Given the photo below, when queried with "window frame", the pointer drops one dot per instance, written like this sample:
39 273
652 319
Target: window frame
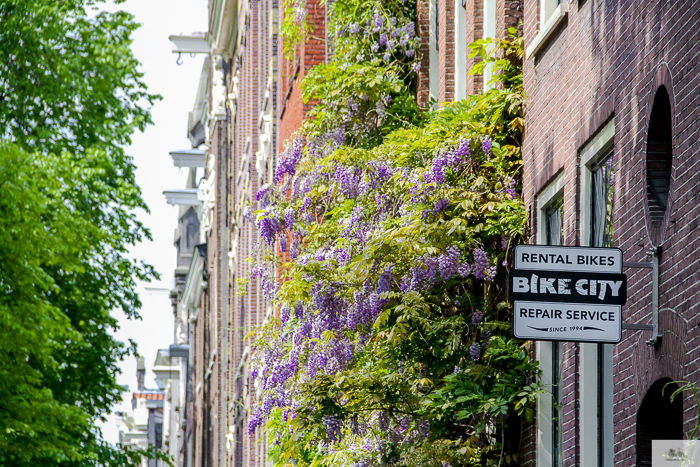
490 27
550 18
433 54
595 357
461 49
545 350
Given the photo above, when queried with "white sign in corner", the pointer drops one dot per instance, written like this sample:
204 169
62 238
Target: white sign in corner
571 258
567 322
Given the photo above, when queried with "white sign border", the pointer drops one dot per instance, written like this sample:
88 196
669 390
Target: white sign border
569 268
515 305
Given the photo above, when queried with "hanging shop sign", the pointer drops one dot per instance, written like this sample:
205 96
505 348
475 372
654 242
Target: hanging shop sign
567 293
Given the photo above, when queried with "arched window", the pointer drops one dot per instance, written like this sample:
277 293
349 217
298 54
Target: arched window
658 418
659 157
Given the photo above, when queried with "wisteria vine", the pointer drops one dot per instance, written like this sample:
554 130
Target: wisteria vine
392 343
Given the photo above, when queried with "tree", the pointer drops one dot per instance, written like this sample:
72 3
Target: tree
71 96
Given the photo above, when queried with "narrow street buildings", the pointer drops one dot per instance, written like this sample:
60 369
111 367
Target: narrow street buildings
610 159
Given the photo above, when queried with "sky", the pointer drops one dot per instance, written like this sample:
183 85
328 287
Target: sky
155 171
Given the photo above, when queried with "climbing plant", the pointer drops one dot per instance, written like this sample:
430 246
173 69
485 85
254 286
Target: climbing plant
393 344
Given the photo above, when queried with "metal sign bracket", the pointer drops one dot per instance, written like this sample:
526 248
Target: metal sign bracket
655 340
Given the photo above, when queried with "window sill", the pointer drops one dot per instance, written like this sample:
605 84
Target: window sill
552 23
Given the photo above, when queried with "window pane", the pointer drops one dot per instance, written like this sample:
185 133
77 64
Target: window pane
602 204
555 236
602 235
556 404
555 224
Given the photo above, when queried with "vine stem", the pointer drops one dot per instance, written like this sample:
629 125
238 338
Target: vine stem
503 445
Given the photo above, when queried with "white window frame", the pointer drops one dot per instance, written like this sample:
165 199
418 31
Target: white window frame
588 371
551 15
434 56
489 15
544 349
461 50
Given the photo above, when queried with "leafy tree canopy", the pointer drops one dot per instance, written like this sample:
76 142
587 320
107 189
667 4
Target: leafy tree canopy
68 80
71 96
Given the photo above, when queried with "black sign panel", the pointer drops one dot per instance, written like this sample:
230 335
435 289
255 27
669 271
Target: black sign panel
567 287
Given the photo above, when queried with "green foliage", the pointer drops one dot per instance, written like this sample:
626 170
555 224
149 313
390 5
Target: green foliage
65 224
69 81
296 27
688 387
385 104
435 376
367 90
71 96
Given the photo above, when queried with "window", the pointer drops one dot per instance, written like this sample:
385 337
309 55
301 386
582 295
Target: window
555 225
659 161
602 231
547 9
602 199
552 13
461 49
434 56
550 231
598 230
489 32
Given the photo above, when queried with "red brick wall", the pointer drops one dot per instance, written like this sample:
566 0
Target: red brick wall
606 60
509 14
475 31
292 109
446 51
423 32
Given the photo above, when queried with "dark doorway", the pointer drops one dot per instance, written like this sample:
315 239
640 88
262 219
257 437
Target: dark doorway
658 418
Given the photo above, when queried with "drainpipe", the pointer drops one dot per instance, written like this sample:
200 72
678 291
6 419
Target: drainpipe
655 340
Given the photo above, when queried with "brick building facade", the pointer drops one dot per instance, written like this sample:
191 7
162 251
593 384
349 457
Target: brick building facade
249 102
611 159
249 105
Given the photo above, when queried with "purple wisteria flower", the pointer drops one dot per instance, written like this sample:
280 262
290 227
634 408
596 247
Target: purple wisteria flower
289 160
248 214
301 15
481 263
510 188
289 216
283 243
284 314
269 226
487 145
267 282
378 22
333 428
411 30
475 351
264 195
342 256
